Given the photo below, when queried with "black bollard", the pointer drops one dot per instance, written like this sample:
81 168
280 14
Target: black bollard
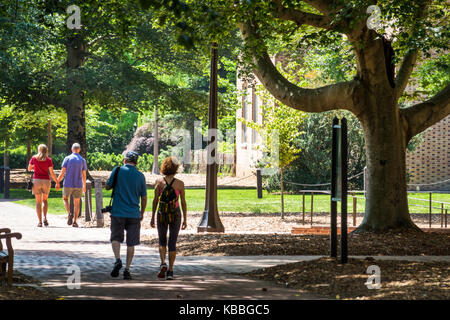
259 183
344 251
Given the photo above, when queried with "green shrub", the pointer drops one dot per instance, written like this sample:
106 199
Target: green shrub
145 162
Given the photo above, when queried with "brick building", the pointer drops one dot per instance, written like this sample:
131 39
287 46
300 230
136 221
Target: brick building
430 161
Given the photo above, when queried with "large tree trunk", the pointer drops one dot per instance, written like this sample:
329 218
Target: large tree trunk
6 153
386 202
28 151
76 121
49 138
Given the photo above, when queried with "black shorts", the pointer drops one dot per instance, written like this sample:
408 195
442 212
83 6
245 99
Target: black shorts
131 225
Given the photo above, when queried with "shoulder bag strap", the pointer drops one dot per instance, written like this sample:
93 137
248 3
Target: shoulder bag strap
114 184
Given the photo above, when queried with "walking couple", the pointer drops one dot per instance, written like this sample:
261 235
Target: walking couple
73 167
129 201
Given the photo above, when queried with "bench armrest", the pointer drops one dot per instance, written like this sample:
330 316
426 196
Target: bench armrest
11 235
5 230
8 237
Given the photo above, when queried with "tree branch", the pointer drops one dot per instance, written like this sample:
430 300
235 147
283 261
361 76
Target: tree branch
99 38
301 17
44 98
405 71
331 97
423 115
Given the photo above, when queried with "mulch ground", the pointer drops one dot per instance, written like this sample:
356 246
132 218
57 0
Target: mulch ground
327 277
25 288
392 243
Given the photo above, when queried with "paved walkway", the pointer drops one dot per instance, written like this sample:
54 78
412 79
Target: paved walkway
47 253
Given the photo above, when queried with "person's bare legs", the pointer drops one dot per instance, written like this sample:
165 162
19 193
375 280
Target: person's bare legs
130 255
39 206
45 208
172 256
162 254
116 249
66 204
76 208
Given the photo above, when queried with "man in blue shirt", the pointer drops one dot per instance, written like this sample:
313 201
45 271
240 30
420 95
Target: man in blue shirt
129 188
74 167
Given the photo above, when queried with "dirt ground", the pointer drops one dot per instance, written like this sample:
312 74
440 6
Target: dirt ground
19 177
400 280
25 288
393 243
271 222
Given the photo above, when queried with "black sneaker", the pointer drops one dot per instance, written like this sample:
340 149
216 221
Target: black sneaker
169 275
117 267
162 271
127 275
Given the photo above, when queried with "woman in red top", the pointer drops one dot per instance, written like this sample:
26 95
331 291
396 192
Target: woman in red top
42 164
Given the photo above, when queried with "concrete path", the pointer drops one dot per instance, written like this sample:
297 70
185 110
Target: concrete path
48 254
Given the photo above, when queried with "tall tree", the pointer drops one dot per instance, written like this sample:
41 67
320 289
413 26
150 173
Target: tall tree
417 29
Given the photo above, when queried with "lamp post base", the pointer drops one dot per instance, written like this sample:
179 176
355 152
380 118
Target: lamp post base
210 226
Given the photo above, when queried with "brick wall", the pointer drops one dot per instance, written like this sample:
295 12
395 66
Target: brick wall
430 161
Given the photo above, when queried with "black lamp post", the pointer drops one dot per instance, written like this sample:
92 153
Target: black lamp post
210 221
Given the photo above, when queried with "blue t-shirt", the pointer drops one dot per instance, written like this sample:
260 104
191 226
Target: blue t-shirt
130 186
75 165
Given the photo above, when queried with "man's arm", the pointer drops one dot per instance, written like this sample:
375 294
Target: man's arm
155 204
83 174
109 181
61 174
143 206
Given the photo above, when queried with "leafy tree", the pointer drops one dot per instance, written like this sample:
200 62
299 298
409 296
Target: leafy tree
280 129
382 57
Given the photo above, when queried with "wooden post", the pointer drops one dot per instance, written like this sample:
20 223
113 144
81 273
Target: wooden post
442 215
303 207
2 179
312 207
98 202
155 168
430 211
88 202
354 209
446 218
259 183
7 182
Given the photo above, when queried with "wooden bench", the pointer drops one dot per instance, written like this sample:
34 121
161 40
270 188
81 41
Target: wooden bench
7 257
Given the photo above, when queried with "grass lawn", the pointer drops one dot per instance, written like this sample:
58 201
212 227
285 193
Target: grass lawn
238 200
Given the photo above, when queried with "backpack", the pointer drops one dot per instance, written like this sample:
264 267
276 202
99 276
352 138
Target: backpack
167 204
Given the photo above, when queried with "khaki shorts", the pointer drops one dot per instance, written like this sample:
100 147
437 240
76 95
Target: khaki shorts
75 192
41 186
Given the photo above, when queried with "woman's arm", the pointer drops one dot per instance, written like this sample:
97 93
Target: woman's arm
183 205
30 165
53 175
155 203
